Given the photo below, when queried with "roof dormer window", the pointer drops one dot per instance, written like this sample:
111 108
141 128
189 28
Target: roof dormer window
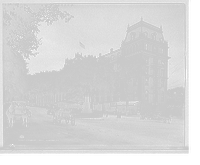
145 34
161 39
133 35
153 35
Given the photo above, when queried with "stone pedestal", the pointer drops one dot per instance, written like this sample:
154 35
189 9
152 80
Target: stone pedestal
86 104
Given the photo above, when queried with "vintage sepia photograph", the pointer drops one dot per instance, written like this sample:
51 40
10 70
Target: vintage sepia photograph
94 77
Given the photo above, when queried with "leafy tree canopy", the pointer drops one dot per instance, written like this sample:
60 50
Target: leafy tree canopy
20 39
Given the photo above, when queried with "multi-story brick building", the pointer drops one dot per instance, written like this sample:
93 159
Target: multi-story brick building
146 40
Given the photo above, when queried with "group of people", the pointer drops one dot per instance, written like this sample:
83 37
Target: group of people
16 110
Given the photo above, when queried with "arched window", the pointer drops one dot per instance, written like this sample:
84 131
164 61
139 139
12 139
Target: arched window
135 95
118 96
147 95
130 48
145 34
163 96
153 35
133 35
135 82
155 95
119 54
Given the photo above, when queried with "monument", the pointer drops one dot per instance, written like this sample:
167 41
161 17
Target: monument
86 104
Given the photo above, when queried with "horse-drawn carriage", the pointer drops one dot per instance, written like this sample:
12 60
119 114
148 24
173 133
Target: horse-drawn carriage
64 112
17 111
156 115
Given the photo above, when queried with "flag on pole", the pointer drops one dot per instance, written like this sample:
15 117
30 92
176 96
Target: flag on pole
81 45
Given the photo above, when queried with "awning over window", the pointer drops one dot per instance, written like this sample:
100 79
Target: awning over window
120 103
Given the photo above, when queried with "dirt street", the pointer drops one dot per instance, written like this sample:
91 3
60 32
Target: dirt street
100 133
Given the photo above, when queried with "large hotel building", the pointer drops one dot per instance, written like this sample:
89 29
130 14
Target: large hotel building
150 90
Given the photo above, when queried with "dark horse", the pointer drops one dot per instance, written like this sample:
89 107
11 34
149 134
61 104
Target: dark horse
25 114
10 115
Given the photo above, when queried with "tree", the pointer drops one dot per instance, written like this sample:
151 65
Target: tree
20 41
133 69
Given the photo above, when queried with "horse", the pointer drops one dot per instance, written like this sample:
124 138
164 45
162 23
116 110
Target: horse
25 114
48 107
10 115
56 113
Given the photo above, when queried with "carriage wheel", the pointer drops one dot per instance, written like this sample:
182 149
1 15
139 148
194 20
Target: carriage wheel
73 122
67 120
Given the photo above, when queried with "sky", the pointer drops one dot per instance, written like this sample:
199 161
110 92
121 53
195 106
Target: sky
101 27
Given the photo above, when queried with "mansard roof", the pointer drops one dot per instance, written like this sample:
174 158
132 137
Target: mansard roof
142 23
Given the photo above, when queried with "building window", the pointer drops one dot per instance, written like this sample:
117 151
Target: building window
155 60
111 97
147 70
135 82
154 82
162 72
146 81
130 48
153 35
99 98
125 50
146 95
163 64
161 51
161 39
118 83
145 46
112 66
118 96
138 46
105 96
135 95
118 74
147 60
155 96
162 96
133 35
118 67
112 57
145 34
162 82
119 54
154 49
